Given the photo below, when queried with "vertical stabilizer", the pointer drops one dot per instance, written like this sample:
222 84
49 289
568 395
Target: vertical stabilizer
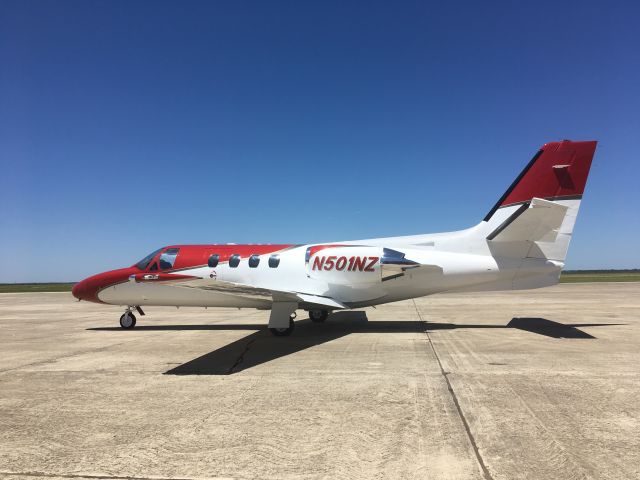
535 217
558 171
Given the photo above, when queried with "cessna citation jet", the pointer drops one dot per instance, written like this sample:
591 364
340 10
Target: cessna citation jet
520 244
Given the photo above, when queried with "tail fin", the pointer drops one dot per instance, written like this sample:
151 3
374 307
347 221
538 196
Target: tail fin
534 219
558 171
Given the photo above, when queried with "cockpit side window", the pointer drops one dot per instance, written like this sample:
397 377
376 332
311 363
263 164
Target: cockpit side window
168 258
144 263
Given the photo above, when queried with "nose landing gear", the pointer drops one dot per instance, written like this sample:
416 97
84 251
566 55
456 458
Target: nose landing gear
128 319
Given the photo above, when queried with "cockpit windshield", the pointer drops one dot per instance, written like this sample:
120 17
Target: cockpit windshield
144 263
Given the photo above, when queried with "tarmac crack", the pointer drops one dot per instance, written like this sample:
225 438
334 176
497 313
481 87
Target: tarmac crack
465 423
240 358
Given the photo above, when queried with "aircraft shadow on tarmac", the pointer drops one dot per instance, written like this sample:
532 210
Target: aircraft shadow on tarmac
260 346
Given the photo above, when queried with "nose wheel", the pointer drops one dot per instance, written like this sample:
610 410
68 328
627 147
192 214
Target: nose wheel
128 320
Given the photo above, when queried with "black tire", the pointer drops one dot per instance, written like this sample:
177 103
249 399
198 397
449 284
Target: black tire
283 332
318 315
128 323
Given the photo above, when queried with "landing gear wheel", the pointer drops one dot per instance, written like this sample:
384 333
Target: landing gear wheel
318 315
127 320
283 332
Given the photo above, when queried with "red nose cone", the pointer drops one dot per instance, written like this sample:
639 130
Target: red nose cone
78 290
89 288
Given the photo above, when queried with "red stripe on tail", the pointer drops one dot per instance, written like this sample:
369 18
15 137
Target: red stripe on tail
559 169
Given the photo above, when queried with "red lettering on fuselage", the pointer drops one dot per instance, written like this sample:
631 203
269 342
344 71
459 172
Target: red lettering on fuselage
372 262
318 263
351 260
359 263
330 263
352 264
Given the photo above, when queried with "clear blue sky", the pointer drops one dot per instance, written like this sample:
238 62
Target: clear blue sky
125 126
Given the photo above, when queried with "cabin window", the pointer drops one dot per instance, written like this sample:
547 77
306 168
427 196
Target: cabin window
213 260
168 258
254 260
234 260
274 261
154 267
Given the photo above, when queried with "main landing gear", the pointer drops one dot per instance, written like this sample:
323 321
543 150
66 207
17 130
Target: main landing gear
128 319
284 332
318 315
278 320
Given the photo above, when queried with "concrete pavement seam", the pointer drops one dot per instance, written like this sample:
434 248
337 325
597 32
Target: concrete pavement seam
99 477
60 357
483 467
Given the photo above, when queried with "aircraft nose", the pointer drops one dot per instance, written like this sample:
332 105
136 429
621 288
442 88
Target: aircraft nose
89 288
81 290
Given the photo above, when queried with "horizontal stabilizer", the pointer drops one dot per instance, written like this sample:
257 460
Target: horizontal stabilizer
536 220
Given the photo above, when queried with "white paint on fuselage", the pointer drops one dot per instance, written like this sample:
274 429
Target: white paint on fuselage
465 258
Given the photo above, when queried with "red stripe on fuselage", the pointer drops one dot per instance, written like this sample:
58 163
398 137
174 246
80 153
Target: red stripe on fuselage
189 256
196 255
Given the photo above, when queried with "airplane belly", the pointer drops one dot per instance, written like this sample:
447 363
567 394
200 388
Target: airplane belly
132 293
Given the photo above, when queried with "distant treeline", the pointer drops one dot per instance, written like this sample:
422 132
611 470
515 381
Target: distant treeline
36 287
627 270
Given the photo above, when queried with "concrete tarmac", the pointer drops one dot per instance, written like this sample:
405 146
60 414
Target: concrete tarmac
541 384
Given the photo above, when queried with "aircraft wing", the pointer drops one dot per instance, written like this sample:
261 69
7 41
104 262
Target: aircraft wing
320 301
249 291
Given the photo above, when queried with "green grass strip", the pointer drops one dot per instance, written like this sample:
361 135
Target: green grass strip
35 287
